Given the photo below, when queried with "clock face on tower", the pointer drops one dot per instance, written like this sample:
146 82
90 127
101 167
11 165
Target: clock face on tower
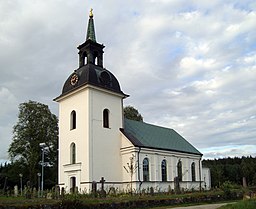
74 79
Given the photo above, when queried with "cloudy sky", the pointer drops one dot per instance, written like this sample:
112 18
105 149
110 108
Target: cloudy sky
187 65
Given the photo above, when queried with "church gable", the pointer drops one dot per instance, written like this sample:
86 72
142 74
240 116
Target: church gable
125 142
150 136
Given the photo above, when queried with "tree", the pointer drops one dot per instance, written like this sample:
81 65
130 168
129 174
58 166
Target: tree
131 169
131 113
36 124
232 170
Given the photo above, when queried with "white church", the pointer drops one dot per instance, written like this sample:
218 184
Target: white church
96 141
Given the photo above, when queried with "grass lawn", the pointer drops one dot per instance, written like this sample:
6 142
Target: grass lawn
245 204
194 204
142 200
17 201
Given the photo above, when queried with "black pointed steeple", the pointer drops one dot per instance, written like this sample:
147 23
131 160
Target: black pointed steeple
90 30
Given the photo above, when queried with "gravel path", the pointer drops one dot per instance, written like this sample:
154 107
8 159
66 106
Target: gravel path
210 206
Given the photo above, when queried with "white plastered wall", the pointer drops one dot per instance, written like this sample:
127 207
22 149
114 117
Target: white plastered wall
128 151
155 159
97 148
105 143
74 102
206 178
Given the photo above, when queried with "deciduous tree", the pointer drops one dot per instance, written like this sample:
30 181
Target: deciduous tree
36 124
131 113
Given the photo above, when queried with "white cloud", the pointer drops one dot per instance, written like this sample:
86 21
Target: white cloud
229 151
7 115
187 65
190 66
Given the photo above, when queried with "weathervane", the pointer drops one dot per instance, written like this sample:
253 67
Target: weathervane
91 14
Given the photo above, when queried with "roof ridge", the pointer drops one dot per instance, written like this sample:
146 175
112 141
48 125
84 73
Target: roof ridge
158 126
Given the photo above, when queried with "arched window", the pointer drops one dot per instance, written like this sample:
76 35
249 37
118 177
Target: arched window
164 170
193 171
73 120
95 57
145 169
73 153
179 168
106 118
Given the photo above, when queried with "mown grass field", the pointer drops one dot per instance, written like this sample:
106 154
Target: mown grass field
245 204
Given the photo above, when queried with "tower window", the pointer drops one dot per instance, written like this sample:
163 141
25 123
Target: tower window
106 118
179 168
193 171
95 57
145 169
85 60
164 170
73 153
73 120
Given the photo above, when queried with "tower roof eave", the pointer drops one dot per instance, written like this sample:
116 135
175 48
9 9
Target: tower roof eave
88 42
69 93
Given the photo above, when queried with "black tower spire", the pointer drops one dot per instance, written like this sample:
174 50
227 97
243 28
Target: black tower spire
91 71
90 51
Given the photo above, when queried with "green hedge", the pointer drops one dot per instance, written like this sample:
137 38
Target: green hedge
119 203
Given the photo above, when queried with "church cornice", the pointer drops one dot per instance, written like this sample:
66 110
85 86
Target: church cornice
84 87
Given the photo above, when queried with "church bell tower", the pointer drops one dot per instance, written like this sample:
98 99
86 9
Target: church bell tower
90 117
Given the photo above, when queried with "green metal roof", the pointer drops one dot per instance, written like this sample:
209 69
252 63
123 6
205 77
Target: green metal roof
150 136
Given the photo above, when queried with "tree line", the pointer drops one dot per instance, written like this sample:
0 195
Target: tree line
233 170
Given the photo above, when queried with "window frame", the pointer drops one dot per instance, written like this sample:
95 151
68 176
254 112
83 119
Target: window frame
193 171
73 153
73 120
164 170
106 118
145 168
179 170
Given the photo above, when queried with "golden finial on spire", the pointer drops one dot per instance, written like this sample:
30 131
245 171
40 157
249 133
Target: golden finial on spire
91 14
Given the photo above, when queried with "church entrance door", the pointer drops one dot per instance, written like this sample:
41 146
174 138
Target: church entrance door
72 184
